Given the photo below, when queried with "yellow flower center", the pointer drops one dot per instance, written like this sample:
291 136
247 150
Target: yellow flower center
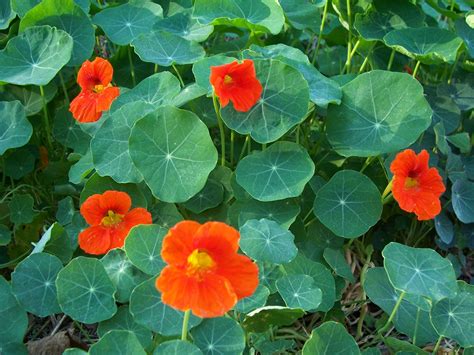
411 182
111 219
228 79
99 88
199 262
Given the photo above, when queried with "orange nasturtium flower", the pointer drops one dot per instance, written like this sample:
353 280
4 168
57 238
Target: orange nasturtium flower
110 220
238 83
416 187
204 273
97 93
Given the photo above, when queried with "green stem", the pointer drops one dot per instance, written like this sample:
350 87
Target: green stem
63 85
249 146
46 119
438 343
83 332
232 141
453 69
416 69
184 331
367 163
392 315
264 146
387 190
178 74
416 325
349 44
364 63
155 69
132 69
298 134
242 152
221 128
321 29
390 60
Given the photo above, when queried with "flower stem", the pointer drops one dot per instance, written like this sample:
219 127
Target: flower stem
349 44
132 69
184 331
394 311
438 343
416 69
321 29
63 85
179 75
390 60
387 190
221 128
232 140
46 119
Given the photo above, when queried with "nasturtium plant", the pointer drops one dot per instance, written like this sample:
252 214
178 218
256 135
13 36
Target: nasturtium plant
236 176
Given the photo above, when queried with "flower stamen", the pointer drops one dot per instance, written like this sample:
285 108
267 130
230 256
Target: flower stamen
111 219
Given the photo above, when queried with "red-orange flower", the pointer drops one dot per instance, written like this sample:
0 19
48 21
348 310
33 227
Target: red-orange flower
97 93
110 220
238 83
416 187
204 273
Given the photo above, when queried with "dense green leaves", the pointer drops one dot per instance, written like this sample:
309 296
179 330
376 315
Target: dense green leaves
35 56
219 336
299 291
85 291
463 200
118 342
124 23
279 172
15 129
173 151
283 104
33 284
381 112
177 347
349 204
12 316
419 271
330 338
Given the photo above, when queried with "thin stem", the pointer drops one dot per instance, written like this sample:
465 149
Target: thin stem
155 69
221 128
321 29
242 152
349 44
249 146
438 343
46 119
390 60
392 315
132 69
298 134
264 146
178 74
83 332
63 85
184 331
453 69
367 163
232 141
416 69
387 190
349 58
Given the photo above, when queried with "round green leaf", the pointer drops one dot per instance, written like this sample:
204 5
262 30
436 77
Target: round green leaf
177 347
67 131
265 240
322 277
280 171
67 16
35 56
349 204
117 342
5 235
21 209
209 197
263 318
12 316
122 273
85 292
166 49
299 291
419 271
256 15
6 14
284 103
20 163
166 215
143 247
109 146
463 200
184 25
21 7
148 310
257 300
30 96
219 336
33 283
156 90
123 320
381 112
454 317
336 260
124 23
429 45
282 212
409 319
174 152
330 338
15 129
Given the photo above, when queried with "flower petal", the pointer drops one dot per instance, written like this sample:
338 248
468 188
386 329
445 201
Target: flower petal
137 216
95 240
178 243
218 239
99 71
84 107
106 97
95 207
242 274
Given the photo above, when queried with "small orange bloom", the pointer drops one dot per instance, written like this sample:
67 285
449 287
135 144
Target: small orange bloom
97 93
110 220
204 272
238 83
416 187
